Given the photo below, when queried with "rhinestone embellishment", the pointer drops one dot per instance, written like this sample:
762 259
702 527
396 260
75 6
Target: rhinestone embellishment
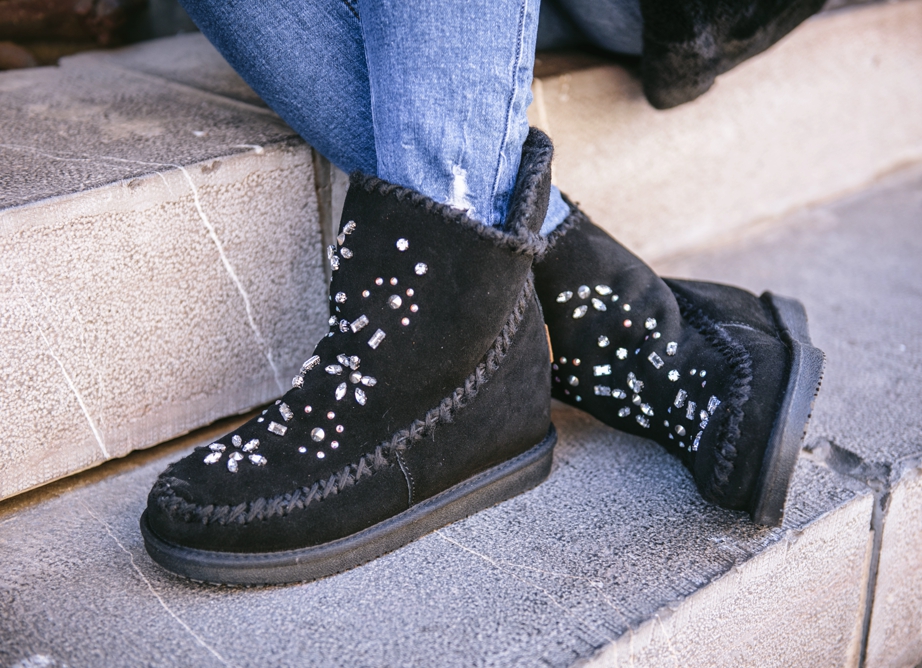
402 244
394 301
564 296
286 412
349 227
673 375
376 339
573 380
624 412
334 369
360 396
359 323
650 323
680 397
604 342
340 297
583 292
341 391
277 428
346 253
621 353
656 360
598 305
580 311
602 370
713 403
603 290
421 268
213 458
317 434
602 390
258 460
671 348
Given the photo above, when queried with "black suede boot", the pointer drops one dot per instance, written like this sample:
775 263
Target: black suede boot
428 400
721 378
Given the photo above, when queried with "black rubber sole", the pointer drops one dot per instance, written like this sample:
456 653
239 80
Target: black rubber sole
807 364
485 489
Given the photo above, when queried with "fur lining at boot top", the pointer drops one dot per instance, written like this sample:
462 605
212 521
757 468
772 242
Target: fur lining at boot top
428 399
688 43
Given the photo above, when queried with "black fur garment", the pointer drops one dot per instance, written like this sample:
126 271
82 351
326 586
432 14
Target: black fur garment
688 43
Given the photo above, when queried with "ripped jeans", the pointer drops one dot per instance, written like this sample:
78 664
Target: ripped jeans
431 96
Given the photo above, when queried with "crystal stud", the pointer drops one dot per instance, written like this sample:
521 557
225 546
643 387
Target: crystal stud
598 305
376 339
258 460
394 281
349 227
642 421
624 412
402 244
360 396
673 375
680 398
236 440
341 391
564 296
602 391
286 412
627 323
604 342
656 361
583 292
379 281
619 394
414 308
404 321
420 268
277 428
308 409
690 411
680 430
394 301
621 353
580 311
603 290
650 323
359 323
340 297
713 403
573 380
317 434
217 447
334 369
369 381
345 252
213 458
671 348
601 370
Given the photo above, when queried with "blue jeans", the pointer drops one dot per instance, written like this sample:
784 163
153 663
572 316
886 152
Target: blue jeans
431 96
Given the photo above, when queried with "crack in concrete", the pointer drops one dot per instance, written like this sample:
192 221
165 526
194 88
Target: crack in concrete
265 348
878 477
70 383
134 565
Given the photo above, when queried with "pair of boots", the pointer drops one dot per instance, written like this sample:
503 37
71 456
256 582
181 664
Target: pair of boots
429 398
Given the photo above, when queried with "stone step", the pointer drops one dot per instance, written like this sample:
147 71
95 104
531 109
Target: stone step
614 560
161 254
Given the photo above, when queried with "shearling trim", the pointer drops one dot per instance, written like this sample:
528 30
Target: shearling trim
738 394
384 455
575 218
536 158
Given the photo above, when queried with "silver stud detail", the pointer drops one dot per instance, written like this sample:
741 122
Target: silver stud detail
310 363
258 460
564 296
603 290
317 434
650 323
358 323
673 375
598 305
680 398
621 353
601 370
583 292
624 412
286 412
341 391
341 238
334 369
343 326
212 458
394 301
236 440
369 381
656 360
642 421
713 403
420 268
360 396
614 298
376 339
573 380
690 411
402 244
342 359
580 311
636 400
680 430
672 348
346 253
354 362
276 428
355 377
604 342
602 391
563 360
627 323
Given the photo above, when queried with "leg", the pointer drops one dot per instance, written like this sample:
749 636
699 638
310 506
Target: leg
306 59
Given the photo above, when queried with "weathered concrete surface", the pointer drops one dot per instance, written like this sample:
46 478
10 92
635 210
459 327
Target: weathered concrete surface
895 638
833 105
161 263
615 560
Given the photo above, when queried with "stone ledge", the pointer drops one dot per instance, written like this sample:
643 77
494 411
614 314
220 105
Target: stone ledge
162 264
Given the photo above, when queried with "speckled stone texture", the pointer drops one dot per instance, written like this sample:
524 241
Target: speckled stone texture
833 105
615 560
162 263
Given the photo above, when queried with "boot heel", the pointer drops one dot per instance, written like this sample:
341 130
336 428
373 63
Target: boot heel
806 375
